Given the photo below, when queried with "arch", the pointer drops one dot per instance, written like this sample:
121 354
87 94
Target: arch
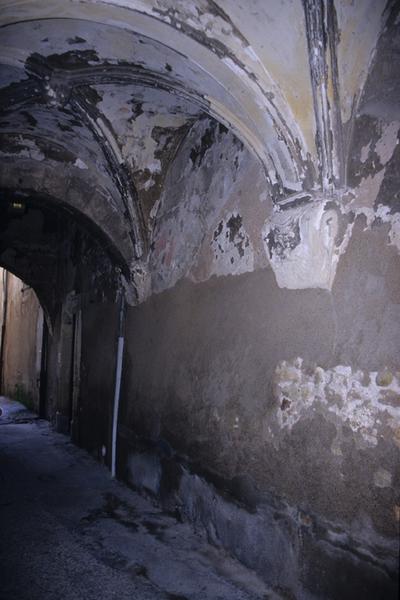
24 277
81 196
226 87
56 249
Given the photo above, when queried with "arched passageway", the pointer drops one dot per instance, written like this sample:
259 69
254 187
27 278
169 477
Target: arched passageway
70 265
228 173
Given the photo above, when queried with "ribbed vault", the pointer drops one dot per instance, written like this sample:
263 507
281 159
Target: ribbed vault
97 98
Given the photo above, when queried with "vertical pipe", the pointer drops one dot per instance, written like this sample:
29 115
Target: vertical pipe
76 376
118 372
43 371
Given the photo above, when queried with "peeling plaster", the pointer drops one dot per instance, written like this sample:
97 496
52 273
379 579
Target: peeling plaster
80 164
193 202
388 141
384 213
193 56
362 200
364 196
158 110
231 246
360 23
216 57
365 152
346 397
28 149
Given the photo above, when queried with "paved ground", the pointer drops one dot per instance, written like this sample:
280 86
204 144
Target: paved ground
68 532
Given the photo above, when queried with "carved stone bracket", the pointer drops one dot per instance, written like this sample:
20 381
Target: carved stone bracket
303 246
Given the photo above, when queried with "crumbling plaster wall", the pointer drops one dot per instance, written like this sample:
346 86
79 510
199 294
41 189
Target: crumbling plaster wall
203 55
267 382
214 191
184 246
293 393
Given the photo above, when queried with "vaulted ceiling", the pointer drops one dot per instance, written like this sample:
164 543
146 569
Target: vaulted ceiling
97 97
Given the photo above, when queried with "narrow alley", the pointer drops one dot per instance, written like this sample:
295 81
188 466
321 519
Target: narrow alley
69 532
199 299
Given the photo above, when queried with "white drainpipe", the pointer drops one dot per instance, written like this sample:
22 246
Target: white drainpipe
118 372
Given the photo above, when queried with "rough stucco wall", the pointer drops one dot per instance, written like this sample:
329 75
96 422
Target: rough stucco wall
22 346
212 368
205 356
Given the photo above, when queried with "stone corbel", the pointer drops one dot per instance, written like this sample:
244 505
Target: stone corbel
302 246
